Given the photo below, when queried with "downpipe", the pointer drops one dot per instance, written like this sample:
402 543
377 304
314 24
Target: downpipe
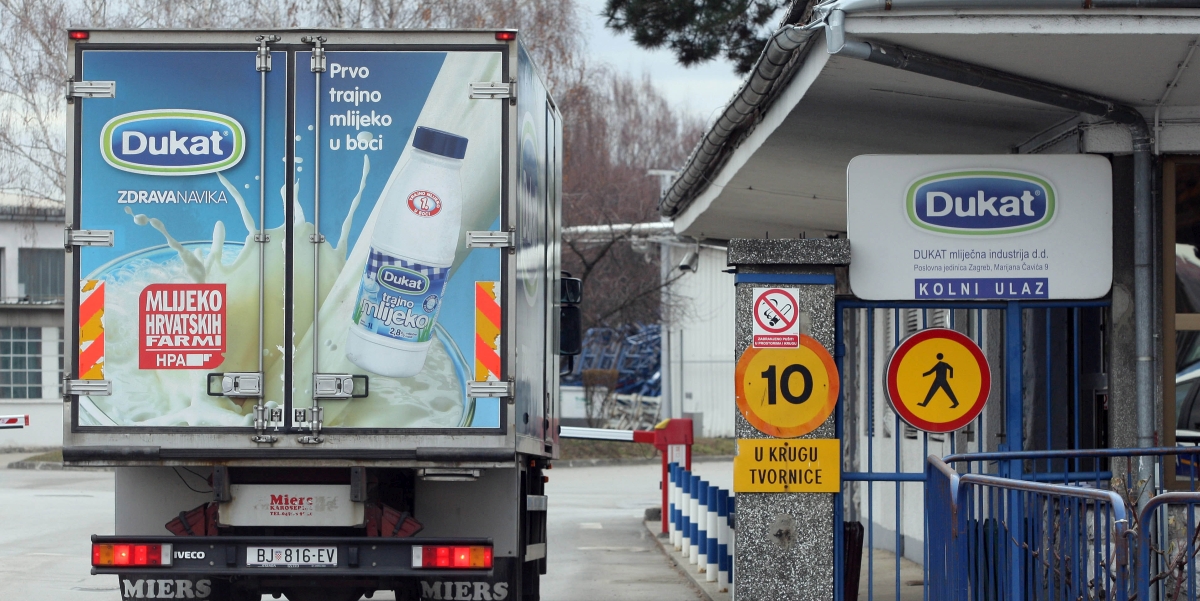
1021 87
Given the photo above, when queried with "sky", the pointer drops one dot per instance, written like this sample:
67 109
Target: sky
701 90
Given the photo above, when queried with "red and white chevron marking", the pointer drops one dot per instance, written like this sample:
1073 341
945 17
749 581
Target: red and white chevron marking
10 422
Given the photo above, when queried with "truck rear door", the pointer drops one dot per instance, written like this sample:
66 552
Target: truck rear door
266 221
183 162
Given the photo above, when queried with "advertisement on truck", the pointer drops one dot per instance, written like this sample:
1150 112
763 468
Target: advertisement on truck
364 265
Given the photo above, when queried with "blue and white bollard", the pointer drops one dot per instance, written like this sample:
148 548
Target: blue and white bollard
723 558
702 527
710 573
694 509
677 539
670 516
732 535
685 526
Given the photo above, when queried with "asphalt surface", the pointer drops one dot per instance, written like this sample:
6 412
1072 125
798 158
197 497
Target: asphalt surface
598 548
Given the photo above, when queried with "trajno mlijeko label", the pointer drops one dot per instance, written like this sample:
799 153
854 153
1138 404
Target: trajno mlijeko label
399 299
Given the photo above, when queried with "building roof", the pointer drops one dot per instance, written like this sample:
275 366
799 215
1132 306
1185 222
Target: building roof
780 172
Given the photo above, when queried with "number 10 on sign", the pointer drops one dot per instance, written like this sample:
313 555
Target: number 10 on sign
787 392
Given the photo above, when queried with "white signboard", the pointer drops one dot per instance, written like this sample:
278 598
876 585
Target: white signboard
776 318
959 227
290 505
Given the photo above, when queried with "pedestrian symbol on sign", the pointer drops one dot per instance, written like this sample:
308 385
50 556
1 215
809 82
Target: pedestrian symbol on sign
941 368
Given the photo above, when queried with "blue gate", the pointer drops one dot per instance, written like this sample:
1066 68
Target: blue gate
1048 513
1049 384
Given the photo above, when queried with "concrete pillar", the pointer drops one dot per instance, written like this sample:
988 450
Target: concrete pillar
785 541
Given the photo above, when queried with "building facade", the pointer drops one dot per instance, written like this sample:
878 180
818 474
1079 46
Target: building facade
31 319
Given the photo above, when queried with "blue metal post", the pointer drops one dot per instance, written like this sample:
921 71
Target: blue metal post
839 357
1013 441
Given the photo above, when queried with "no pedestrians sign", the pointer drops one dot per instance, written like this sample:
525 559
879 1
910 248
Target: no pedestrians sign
776 318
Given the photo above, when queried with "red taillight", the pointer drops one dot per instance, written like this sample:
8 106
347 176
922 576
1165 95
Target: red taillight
506 36
131 555
478 557
78 34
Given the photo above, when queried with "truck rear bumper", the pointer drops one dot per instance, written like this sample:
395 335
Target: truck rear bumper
356 557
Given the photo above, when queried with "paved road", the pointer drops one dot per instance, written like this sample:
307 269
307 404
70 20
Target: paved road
598 547
45 521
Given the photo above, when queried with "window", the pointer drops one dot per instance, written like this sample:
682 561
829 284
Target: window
20 363
1181 297
40 273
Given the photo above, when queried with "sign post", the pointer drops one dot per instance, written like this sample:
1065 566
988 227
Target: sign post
787 470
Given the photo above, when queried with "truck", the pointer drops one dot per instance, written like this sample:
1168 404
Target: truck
315 315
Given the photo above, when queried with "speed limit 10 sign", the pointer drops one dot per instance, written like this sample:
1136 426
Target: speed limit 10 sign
787 392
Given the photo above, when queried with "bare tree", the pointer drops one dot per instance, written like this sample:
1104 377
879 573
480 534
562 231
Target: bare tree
616 127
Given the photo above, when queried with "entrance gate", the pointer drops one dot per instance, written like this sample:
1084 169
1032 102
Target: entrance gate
1049 385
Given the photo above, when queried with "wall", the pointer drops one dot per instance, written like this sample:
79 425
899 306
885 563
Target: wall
698 342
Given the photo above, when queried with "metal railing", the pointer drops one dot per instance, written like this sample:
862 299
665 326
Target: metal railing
1096 534
1001 538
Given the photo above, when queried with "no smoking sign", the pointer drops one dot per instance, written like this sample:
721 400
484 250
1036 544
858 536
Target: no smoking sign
776 318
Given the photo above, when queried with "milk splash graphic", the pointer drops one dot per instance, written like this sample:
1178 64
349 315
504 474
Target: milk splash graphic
179 398
432 398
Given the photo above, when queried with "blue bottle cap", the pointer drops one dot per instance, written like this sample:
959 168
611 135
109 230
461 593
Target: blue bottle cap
439 142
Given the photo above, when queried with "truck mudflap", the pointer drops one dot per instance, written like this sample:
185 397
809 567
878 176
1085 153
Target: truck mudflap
214 567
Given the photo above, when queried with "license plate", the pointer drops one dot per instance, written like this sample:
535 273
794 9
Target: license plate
286 557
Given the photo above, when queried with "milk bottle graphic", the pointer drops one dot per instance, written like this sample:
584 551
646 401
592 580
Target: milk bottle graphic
412 249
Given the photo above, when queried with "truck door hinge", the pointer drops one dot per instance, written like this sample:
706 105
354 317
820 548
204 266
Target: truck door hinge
494 388
87 387
236 385
498 239
262 61
90 89
483 90
316 63
311 419
88 238
340 386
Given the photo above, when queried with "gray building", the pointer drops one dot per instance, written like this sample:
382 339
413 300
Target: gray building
31 319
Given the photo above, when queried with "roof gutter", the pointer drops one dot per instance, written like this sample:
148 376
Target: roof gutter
853 6
742 112
1021 87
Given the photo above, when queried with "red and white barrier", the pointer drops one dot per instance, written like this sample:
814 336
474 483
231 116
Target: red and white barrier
13 422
